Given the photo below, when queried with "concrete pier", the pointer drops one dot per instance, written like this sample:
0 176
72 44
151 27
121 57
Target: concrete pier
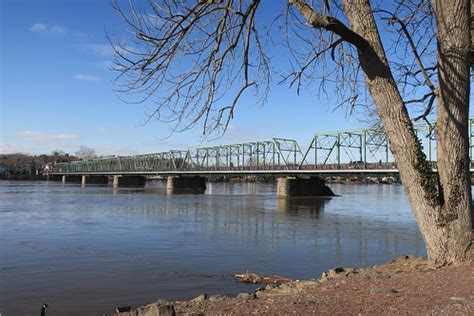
176 184
115 181
128 181
293 186
94 180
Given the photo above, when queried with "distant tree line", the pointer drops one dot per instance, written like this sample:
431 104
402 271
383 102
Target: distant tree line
26 164
21 164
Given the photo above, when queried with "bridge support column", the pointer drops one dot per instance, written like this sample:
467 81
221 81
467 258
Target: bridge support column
128 181
185 184
94 180
115 181
292 186
63 179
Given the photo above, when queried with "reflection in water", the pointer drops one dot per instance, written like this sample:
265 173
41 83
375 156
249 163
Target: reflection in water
88 250
171 191
295 205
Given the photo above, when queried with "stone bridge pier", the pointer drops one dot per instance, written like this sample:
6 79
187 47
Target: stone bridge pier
128 181
294 186
177 184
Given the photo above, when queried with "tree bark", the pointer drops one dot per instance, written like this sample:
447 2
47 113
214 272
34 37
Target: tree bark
452 131
442 208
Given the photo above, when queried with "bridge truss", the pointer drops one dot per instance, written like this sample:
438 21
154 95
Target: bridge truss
273 154
351 149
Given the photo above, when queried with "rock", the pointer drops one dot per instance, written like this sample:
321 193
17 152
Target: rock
335 271
287 289
383 290
246 295
330 274
200 298
259 293
148 310
265 279
165 308
269 287
159 308
214 298
323 279
124 311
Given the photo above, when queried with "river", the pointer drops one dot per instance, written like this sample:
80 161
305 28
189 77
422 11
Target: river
87 250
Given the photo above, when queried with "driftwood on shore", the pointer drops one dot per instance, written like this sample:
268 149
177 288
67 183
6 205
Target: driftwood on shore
262 279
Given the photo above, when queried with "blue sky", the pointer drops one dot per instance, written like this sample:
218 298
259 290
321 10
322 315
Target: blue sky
57 92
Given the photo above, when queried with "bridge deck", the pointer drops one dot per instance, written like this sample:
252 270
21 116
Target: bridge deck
243 172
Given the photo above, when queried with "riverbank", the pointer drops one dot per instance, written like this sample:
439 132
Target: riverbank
407 285
23 177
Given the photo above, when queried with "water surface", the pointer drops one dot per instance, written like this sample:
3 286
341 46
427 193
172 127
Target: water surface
86 250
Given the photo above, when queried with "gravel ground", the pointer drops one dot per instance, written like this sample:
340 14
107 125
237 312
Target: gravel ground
407 286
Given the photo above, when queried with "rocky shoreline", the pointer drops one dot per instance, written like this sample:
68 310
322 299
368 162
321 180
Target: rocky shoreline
407 285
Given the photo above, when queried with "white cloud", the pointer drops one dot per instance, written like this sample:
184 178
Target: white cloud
48 29
82 77
48 139
38 28
104 50
8 148
99 130
114 150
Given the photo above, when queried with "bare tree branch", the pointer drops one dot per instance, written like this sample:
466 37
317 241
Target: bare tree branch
414 50
186 57
328 23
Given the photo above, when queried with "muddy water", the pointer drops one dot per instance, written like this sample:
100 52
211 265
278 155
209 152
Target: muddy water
87 250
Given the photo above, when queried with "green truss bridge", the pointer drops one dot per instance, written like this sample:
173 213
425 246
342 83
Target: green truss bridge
349 151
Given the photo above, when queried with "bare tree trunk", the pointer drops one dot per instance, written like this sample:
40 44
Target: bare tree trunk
456 217
472 33
443 213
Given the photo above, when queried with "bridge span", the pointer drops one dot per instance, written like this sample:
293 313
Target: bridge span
250 172
363 151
